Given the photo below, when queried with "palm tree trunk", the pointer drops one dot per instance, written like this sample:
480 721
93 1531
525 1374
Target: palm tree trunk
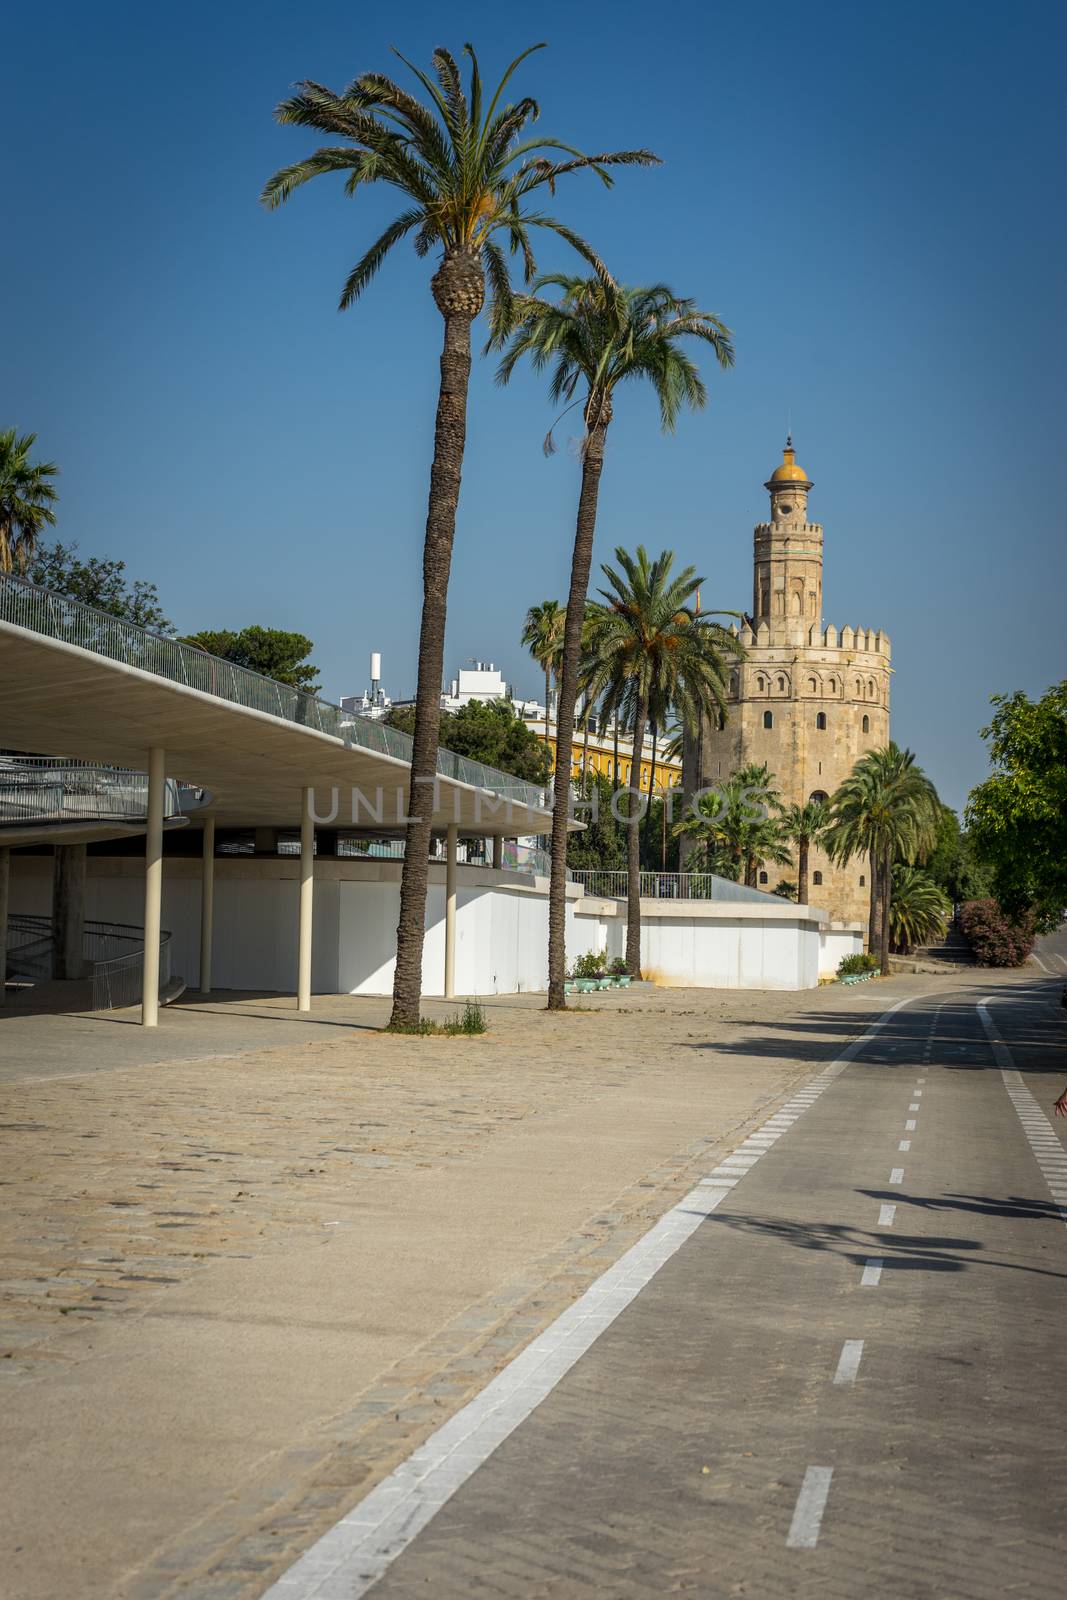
633 845
581 562
887 895
651 789
750 872
450 435
874 924
802 871
615 757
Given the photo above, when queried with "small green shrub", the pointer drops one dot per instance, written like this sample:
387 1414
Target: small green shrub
472 1020
590 964
618 968
862 962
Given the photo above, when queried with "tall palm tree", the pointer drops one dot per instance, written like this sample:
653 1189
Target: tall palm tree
469 177
542 635
805 825
652 648
887 808
596 336
26 500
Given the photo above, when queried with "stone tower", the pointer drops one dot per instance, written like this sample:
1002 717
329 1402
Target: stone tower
807 700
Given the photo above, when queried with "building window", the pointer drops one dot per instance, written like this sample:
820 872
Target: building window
820 719
818 794
781 686
761 683
863 881
816 877
812 686
768 719
763 877
866 724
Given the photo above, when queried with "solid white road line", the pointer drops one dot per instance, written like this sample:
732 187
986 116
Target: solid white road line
872 1272
351 1557
811 1503
897 1175
1041 964
1036 1126
886 1215
849 1364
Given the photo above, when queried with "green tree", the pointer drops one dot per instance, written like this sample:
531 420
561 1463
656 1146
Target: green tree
274 652
542 636
26 500
602 843
487 731
470 178
804 825
736 826
596 336
652 648
99 582
952 863
886 808
919 911
1017 819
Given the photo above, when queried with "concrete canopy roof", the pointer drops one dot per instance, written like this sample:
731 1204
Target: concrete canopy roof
57 698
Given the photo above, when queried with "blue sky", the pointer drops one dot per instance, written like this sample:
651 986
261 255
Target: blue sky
870 196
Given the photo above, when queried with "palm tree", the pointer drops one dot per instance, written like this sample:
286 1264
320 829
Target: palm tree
468 175
737 827
26 500
542 635
596 336
887 808
919 911
805 825
653 649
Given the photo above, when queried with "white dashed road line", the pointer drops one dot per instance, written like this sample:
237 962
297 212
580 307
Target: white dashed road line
872 1272
905 1144
849 1364
886 1215
356 1551
811 1503
897 1175
1041 1136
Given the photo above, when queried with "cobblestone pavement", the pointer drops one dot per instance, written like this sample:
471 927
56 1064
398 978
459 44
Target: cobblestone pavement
239 1283
848 1380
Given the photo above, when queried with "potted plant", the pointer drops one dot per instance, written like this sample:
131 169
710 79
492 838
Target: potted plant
619 975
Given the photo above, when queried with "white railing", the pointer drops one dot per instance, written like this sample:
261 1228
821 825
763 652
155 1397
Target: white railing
614 885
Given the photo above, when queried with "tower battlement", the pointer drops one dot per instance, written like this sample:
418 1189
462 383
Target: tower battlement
860 641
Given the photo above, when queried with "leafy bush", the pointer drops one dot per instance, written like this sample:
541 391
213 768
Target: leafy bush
472 1021
995 938
863 962
590 964
618 968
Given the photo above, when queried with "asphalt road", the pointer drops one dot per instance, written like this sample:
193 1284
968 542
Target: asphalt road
847 1375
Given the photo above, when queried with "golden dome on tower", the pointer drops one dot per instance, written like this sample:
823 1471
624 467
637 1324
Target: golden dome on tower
789 471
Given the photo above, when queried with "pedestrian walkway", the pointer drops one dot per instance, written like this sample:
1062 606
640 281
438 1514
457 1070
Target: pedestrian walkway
835 1368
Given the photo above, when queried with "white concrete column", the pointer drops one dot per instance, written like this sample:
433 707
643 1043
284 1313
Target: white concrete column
451 846
307 889
207 904
153 887
5 884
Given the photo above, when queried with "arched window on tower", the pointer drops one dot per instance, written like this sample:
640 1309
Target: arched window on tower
768 719
866 724
816 877
820 719
813 687
833 685
818 794
870 689
761 683
781 684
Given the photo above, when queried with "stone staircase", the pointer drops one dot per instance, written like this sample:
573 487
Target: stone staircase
952 954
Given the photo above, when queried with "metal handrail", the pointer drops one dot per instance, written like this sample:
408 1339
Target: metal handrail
115 971
613 885
51 790
55 616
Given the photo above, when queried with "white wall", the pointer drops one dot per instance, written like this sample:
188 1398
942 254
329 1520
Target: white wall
501 928
838 941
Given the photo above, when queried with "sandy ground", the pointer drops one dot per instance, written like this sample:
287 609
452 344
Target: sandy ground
239 1282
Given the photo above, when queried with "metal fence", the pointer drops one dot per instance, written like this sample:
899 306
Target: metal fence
667 886
56 617
50 789
113 953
